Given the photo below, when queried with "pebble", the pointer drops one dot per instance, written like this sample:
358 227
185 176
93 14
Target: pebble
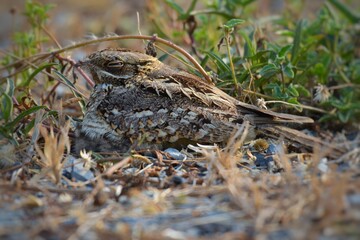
175 154
75 170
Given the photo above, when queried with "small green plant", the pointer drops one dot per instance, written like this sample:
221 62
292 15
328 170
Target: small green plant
18 104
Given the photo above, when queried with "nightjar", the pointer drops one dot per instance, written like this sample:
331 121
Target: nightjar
139 102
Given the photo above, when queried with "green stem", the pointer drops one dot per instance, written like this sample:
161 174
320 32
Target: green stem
282 79
335 54
227 39
210 11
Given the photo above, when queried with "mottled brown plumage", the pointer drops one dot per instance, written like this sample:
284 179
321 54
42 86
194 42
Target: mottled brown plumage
140 101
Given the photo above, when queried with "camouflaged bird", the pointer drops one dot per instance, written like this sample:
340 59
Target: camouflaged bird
140 101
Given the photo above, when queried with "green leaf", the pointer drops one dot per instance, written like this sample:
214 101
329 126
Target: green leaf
319 69
176 7
285 33
73 90
245 2
6 107
233 22
67 82
293 100
29 126
275 90
191 8
344 103
219 62
284 50
36 72
296 44
302 90
296 102
292 91
249 48
269 70
4 132
344 116
10 87
288 71
22 115
354 18
36 12
204 61
262 55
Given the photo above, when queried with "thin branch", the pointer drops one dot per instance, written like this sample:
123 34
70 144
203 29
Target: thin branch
115 38
51 36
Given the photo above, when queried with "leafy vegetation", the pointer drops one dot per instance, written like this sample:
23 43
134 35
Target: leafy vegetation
17 102
310 62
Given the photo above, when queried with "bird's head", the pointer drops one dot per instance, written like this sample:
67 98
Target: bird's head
117 66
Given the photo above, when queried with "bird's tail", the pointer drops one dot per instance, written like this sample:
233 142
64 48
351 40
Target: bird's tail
329 149
256 115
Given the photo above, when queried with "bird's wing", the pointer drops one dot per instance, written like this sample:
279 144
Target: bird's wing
194 88
149 114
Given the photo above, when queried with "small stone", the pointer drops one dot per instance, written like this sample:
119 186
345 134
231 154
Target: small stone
175 154
263 161
75 170
177 180
323 166
271 149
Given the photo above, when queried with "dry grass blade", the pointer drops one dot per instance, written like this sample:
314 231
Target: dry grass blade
53 152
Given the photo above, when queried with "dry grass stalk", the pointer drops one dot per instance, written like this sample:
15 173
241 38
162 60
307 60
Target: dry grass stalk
52 154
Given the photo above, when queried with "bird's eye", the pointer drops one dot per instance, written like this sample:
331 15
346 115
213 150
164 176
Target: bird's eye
115 64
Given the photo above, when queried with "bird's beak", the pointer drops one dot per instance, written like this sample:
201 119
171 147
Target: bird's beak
80 63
